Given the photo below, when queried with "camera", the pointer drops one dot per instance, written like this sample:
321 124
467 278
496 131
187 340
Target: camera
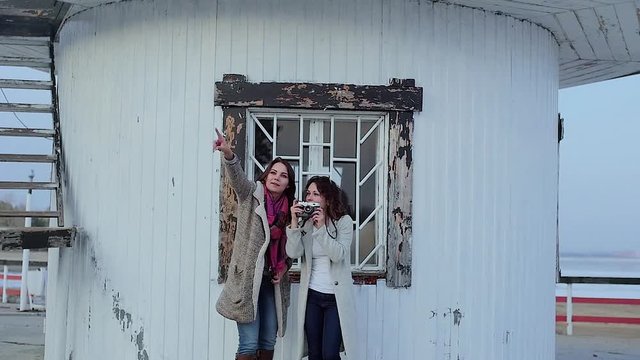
307 209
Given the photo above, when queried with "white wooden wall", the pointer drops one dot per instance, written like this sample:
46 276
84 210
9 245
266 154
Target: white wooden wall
136 91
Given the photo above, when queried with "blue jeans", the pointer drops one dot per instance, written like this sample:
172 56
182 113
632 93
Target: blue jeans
322 326
261 332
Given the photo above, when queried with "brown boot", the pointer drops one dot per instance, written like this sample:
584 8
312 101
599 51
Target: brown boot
245 357
265 355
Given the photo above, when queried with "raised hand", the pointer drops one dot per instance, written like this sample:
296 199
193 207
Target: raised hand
221 145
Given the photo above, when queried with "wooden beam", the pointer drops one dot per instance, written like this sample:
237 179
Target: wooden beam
12 25
30 108
46 133
27 158
25 84
234 128
24 41
399 187
57 139
25 62
33 214
235 91
36 238
27 185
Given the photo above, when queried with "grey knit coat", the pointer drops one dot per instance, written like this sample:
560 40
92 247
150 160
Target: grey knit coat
239 298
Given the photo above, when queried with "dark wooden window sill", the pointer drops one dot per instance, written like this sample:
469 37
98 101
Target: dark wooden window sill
359 278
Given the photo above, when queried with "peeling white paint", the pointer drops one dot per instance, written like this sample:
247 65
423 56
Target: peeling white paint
136 99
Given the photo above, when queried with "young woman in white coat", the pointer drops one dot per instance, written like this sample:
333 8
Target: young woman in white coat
326 308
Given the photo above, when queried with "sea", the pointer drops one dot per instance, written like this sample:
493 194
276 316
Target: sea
600 266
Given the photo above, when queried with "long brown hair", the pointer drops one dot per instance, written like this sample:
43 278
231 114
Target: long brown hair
290 191
335 198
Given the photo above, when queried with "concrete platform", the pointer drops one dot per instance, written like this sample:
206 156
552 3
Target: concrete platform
22 338
597 347
21 334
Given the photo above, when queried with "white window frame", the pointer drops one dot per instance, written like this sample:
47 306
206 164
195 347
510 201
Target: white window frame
316 145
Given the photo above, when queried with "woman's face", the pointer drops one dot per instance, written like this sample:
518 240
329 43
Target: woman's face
277 180
314 195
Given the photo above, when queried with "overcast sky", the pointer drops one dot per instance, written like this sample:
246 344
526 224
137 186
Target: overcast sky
600 167
599 161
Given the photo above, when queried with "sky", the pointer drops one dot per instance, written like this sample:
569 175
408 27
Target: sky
599 190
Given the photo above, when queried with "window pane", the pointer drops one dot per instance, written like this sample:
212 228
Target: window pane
263 147
368 153
345 139
368 241
345 177
288 143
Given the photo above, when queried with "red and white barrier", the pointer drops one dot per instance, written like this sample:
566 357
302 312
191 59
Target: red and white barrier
12 285
36 287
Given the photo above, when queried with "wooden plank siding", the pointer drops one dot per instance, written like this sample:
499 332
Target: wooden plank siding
35 238
143 183
605 32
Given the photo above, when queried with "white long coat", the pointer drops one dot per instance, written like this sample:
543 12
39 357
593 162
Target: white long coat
339 251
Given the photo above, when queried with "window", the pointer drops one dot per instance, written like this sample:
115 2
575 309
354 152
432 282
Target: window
359 135
349 147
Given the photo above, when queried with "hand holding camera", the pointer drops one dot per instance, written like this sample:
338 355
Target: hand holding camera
308 208
304 210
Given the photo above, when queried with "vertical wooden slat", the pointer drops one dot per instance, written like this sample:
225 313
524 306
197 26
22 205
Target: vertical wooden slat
235 132
57 137
400 183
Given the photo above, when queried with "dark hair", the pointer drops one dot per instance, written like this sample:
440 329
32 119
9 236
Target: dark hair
335 198
290 191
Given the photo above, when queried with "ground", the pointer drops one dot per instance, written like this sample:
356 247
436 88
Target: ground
21 334
22 338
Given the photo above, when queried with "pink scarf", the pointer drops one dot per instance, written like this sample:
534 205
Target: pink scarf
277 212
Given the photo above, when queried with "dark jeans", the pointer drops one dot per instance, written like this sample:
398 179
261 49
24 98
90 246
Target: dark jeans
322 326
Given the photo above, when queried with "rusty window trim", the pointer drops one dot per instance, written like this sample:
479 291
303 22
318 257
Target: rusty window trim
399 99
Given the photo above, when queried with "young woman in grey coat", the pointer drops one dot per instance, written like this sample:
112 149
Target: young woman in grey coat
326 308
257 291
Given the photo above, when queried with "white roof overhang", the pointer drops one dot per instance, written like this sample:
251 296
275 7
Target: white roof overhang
598 39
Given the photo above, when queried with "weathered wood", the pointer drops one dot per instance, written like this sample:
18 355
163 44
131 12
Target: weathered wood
560 128
24 61
400 184
25 84
235 133
15 25
233 78
27 185
57 139
36 238
26 132
359 278
32 108
24 41
27 158
235 92
33 214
